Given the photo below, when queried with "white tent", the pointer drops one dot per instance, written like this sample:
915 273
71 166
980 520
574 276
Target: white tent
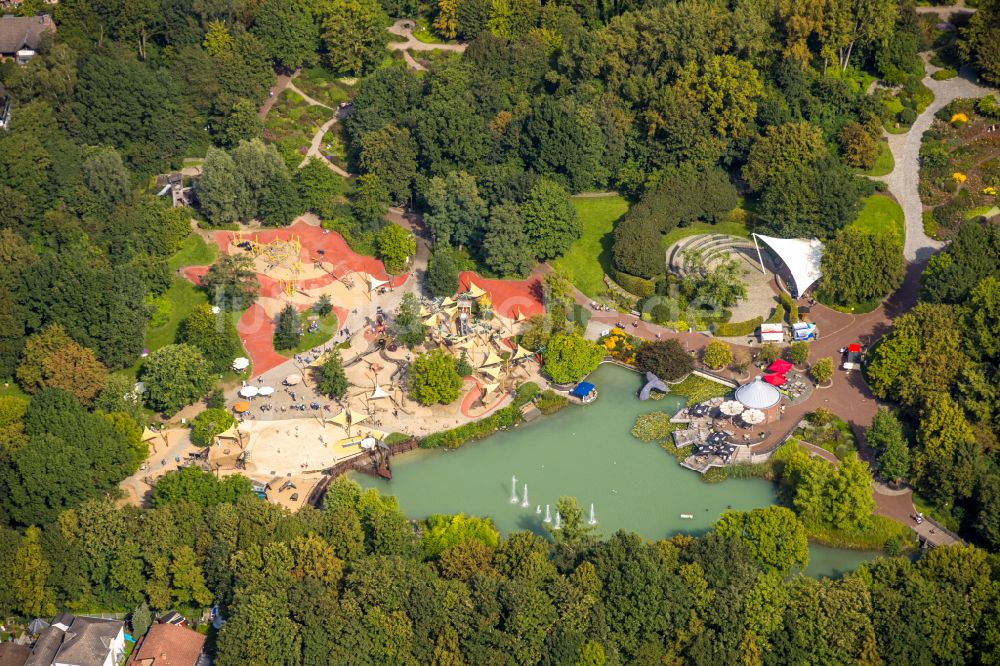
521 353
374 283
492 359
802 257
379 392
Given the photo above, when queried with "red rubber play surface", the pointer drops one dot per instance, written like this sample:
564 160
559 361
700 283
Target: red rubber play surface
509 297
255 327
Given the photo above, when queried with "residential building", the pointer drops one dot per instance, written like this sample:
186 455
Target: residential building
13 654
168 645
21 35
79 641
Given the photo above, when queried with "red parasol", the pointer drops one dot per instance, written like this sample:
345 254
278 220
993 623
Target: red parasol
775 379
779 367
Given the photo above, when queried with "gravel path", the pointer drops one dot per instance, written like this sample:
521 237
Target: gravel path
904 180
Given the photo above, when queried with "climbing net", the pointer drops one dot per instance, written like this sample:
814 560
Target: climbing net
278 255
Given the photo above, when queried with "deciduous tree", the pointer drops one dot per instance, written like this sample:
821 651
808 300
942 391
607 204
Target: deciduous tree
774 536
332 380
666 359
568 357
175 376
433 378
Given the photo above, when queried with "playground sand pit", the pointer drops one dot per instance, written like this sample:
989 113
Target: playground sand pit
298 446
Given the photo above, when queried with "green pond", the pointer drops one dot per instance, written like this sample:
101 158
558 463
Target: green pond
585 452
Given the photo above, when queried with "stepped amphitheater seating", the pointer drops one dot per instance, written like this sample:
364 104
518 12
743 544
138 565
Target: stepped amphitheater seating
713 248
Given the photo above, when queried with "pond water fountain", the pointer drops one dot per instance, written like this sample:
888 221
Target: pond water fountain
593 519
524 502
639 487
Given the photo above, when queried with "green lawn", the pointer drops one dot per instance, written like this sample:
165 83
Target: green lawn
880 214
194 252
725 227
327 327
184 297
982 211
11 389
590 256
423 33
884 163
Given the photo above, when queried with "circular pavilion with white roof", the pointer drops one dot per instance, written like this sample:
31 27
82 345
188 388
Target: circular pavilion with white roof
758 394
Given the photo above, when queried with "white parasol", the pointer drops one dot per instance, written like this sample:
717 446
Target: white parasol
753 416
241 363
731 408
292 380
249 391
368 443
265 390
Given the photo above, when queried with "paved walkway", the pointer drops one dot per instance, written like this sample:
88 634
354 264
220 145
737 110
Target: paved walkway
404 28
281 82
317 140
904 181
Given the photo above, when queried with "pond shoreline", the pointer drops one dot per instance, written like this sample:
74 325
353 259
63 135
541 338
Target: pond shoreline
588 454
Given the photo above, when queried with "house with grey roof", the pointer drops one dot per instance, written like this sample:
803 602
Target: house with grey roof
20 36
79 641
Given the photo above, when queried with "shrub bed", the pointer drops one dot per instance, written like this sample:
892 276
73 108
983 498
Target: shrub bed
550 402
470 432
791 307
738 329
634 284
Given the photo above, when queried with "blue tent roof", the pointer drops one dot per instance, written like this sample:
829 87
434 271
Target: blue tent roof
582 389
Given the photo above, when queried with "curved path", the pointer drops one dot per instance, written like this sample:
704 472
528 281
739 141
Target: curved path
314 145
904 181
404 28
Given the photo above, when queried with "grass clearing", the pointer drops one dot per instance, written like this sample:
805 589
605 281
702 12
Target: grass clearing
10 389
194 251
589 257
728 227
884 163
184 297
422 33
880 214
327 327
699 389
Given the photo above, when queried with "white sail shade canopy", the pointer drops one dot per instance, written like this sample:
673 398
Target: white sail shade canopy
801 256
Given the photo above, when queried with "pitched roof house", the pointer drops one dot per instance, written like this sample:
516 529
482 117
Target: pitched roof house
21 35
79 641
168 645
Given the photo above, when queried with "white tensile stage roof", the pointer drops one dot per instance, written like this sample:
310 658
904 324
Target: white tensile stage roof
801 256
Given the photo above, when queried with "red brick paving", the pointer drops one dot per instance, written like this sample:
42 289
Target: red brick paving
256 331
509 297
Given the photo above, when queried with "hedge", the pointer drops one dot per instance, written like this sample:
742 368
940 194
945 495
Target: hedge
738 329
778 315
635 285
790 306
470 432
